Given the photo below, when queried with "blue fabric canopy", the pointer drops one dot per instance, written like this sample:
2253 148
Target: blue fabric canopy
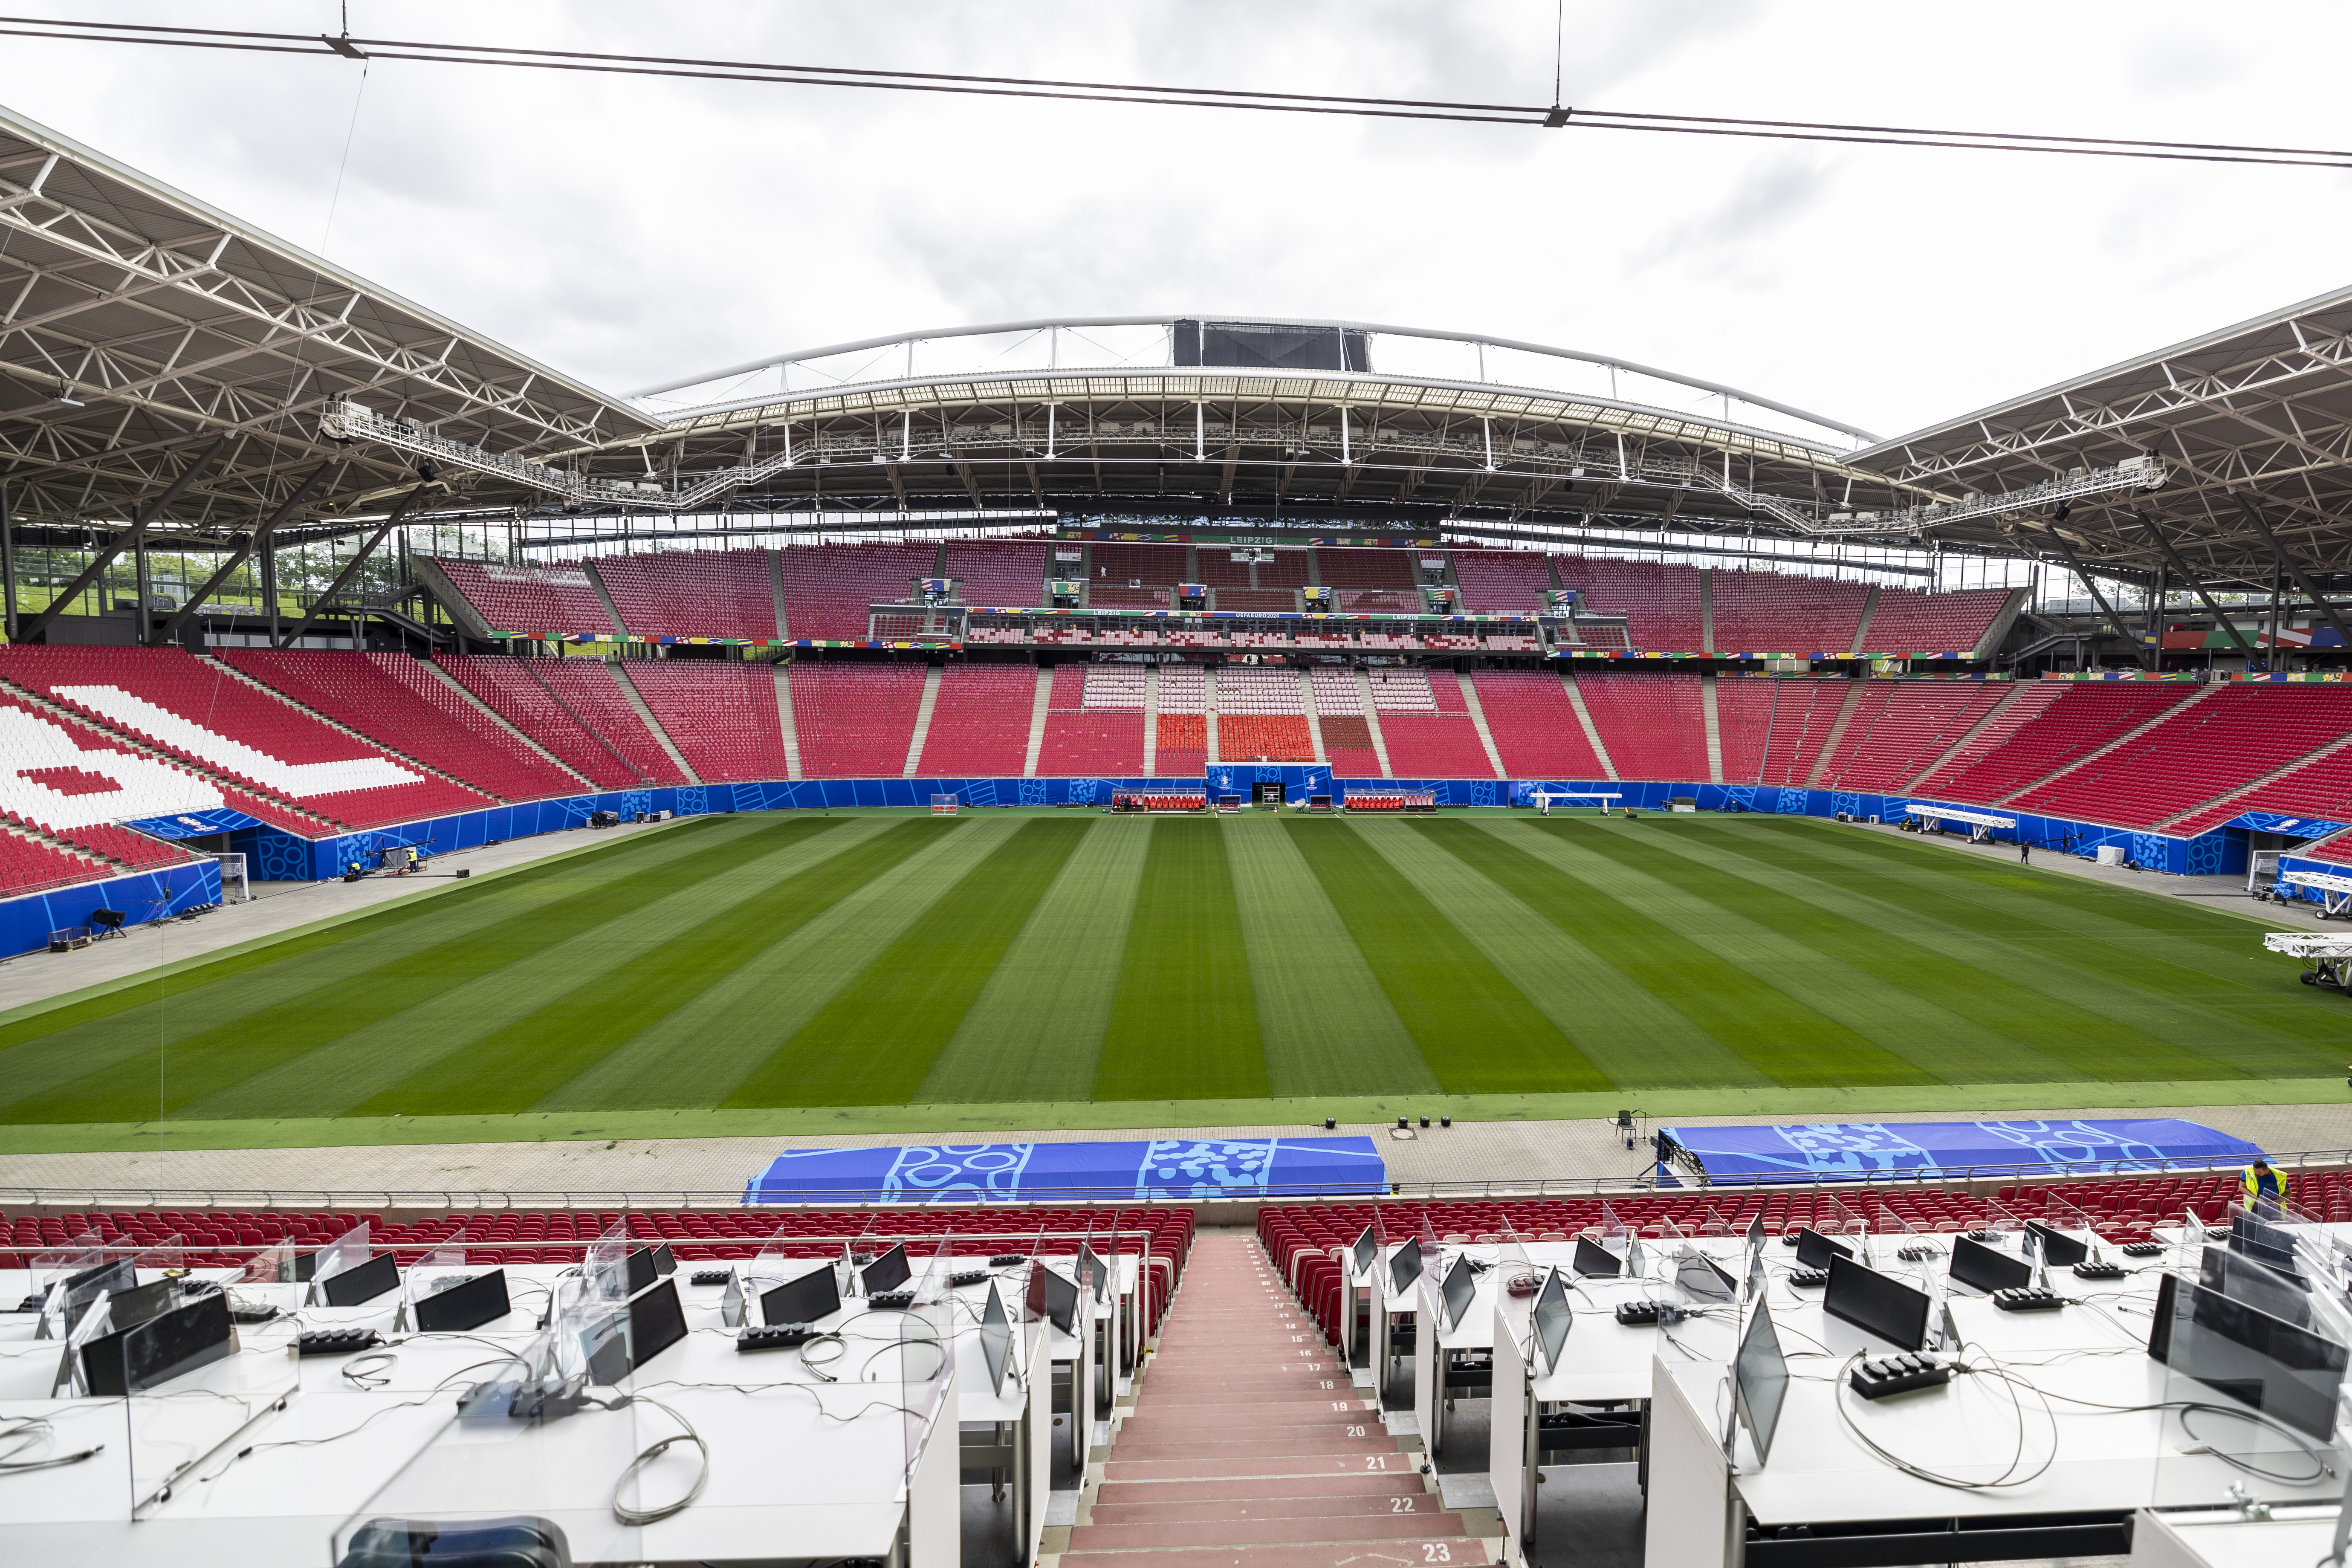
195 824
1182 1169
1857 1151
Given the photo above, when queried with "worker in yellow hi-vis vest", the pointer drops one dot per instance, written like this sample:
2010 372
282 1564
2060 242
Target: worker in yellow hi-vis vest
2263 1189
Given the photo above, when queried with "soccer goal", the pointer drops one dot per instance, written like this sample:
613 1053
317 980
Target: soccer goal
943 805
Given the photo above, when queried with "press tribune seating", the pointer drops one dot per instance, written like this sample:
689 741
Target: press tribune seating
693 593
721 715
1778 612
999 571
1341 568
1501 582
854 720
1660 602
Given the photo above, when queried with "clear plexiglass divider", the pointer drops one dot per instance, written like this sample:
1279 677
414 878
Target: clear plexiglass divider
927 1372
532 1464
195 1382
2249 1344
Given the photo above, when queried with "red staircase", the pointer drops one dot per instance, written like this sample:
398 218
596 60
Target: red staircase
1249 1447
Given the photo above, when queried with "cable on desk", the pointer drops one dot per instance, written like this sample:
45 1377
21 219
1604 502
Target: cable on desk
840 1353
2008 1476
642 1516
371 1370
19 1433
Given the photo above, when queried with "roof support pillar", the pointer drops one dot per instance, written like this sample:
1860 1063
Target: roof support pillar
358 559
238 557
2196 585
2075 565
2302 579
8 559
129 537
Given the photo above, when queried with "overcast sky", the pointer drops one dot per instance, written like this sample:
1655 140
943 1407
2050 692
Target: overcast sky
632 230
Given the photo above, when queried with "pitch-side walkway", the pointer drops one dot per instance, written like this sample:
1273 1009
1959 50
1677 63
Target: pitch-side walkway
1250 1447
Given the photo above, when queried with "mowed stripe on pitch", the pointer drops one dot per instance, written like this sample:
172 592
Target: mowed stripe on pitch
282 1026
1185 1023
1472 1026
874 1042
516 1065
47 1049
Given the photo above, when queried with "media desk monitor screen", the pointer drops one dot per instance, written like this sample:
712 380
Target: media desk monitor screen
887 1272
810 1299
365 1283
2059 1251
2261 1241
641 1271
1887 1309
118 1276
1053 1296
152 1354
1814 1250
1987 1268
2288 1373
2225 1273
1092 1270
1756 1234
127 1309
1459 1286
1553 1318
1404 1268
1760 1376
1367 1247
1702 1279
656 1321
995 1339
467 1305
1595 1261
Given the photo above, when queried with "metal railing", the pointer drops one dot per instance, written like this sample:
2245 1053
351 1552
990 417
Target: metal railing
1691 1184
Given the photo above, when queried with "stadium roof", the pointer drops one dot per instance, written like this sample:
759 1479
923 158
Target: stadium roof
2261 409
137 323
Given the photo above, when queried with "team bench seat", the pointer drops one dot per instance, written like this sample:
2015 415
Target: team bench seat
1146 802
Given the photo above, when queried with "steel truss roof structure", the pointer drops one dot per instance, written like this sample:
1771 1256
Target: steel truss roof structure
138 325
2262 411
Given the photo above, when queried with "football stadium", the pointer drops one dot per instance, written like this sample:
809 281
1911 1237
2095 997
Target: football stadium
1169 900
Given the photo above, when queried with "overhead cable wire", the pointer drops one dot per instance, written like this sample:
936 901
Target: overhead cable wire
1555 117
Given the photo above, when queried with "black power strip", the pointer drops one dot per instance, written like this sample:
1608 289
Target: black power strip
2027 1300
712 1275
890 1300
1648 1314
2098 1271
335 1342
1007 1259
1916 1254
2142 1249
968 1277
1897 1375
774 1337
1809 1278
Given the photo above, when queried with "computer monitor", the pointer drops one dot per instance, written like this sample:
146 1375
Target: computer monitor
995 1339
1814 1250
117 1275
2058 1250
2287 1372
1093 1270
1701 1278
467 1305
656 1321
2231 1274
1595 1261
887 1272
2264 1242
1988 1267
1553 1318
1367 1247
364 1283
641 1270
126 1308
1887 1309
665 1261
1404 1268
1760 1379
152 1354
1455 1292
1052 1297
809 1298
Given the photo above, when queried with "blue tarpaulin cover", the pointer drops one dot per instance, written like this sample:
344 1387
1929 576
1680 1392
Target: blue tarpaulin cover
1859 1149
194 824
1182 1169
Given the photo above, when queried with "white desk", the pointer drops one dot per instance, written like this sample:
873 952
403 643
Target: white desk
2224 1538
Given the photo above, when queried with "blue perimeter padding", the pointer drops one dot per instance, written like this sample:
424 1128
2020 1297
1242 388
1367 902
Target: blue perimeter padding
1859 1150
1183 1170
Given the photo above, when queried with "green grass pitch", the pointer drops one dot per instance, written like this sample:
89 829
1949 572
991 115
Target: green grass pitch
749 963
